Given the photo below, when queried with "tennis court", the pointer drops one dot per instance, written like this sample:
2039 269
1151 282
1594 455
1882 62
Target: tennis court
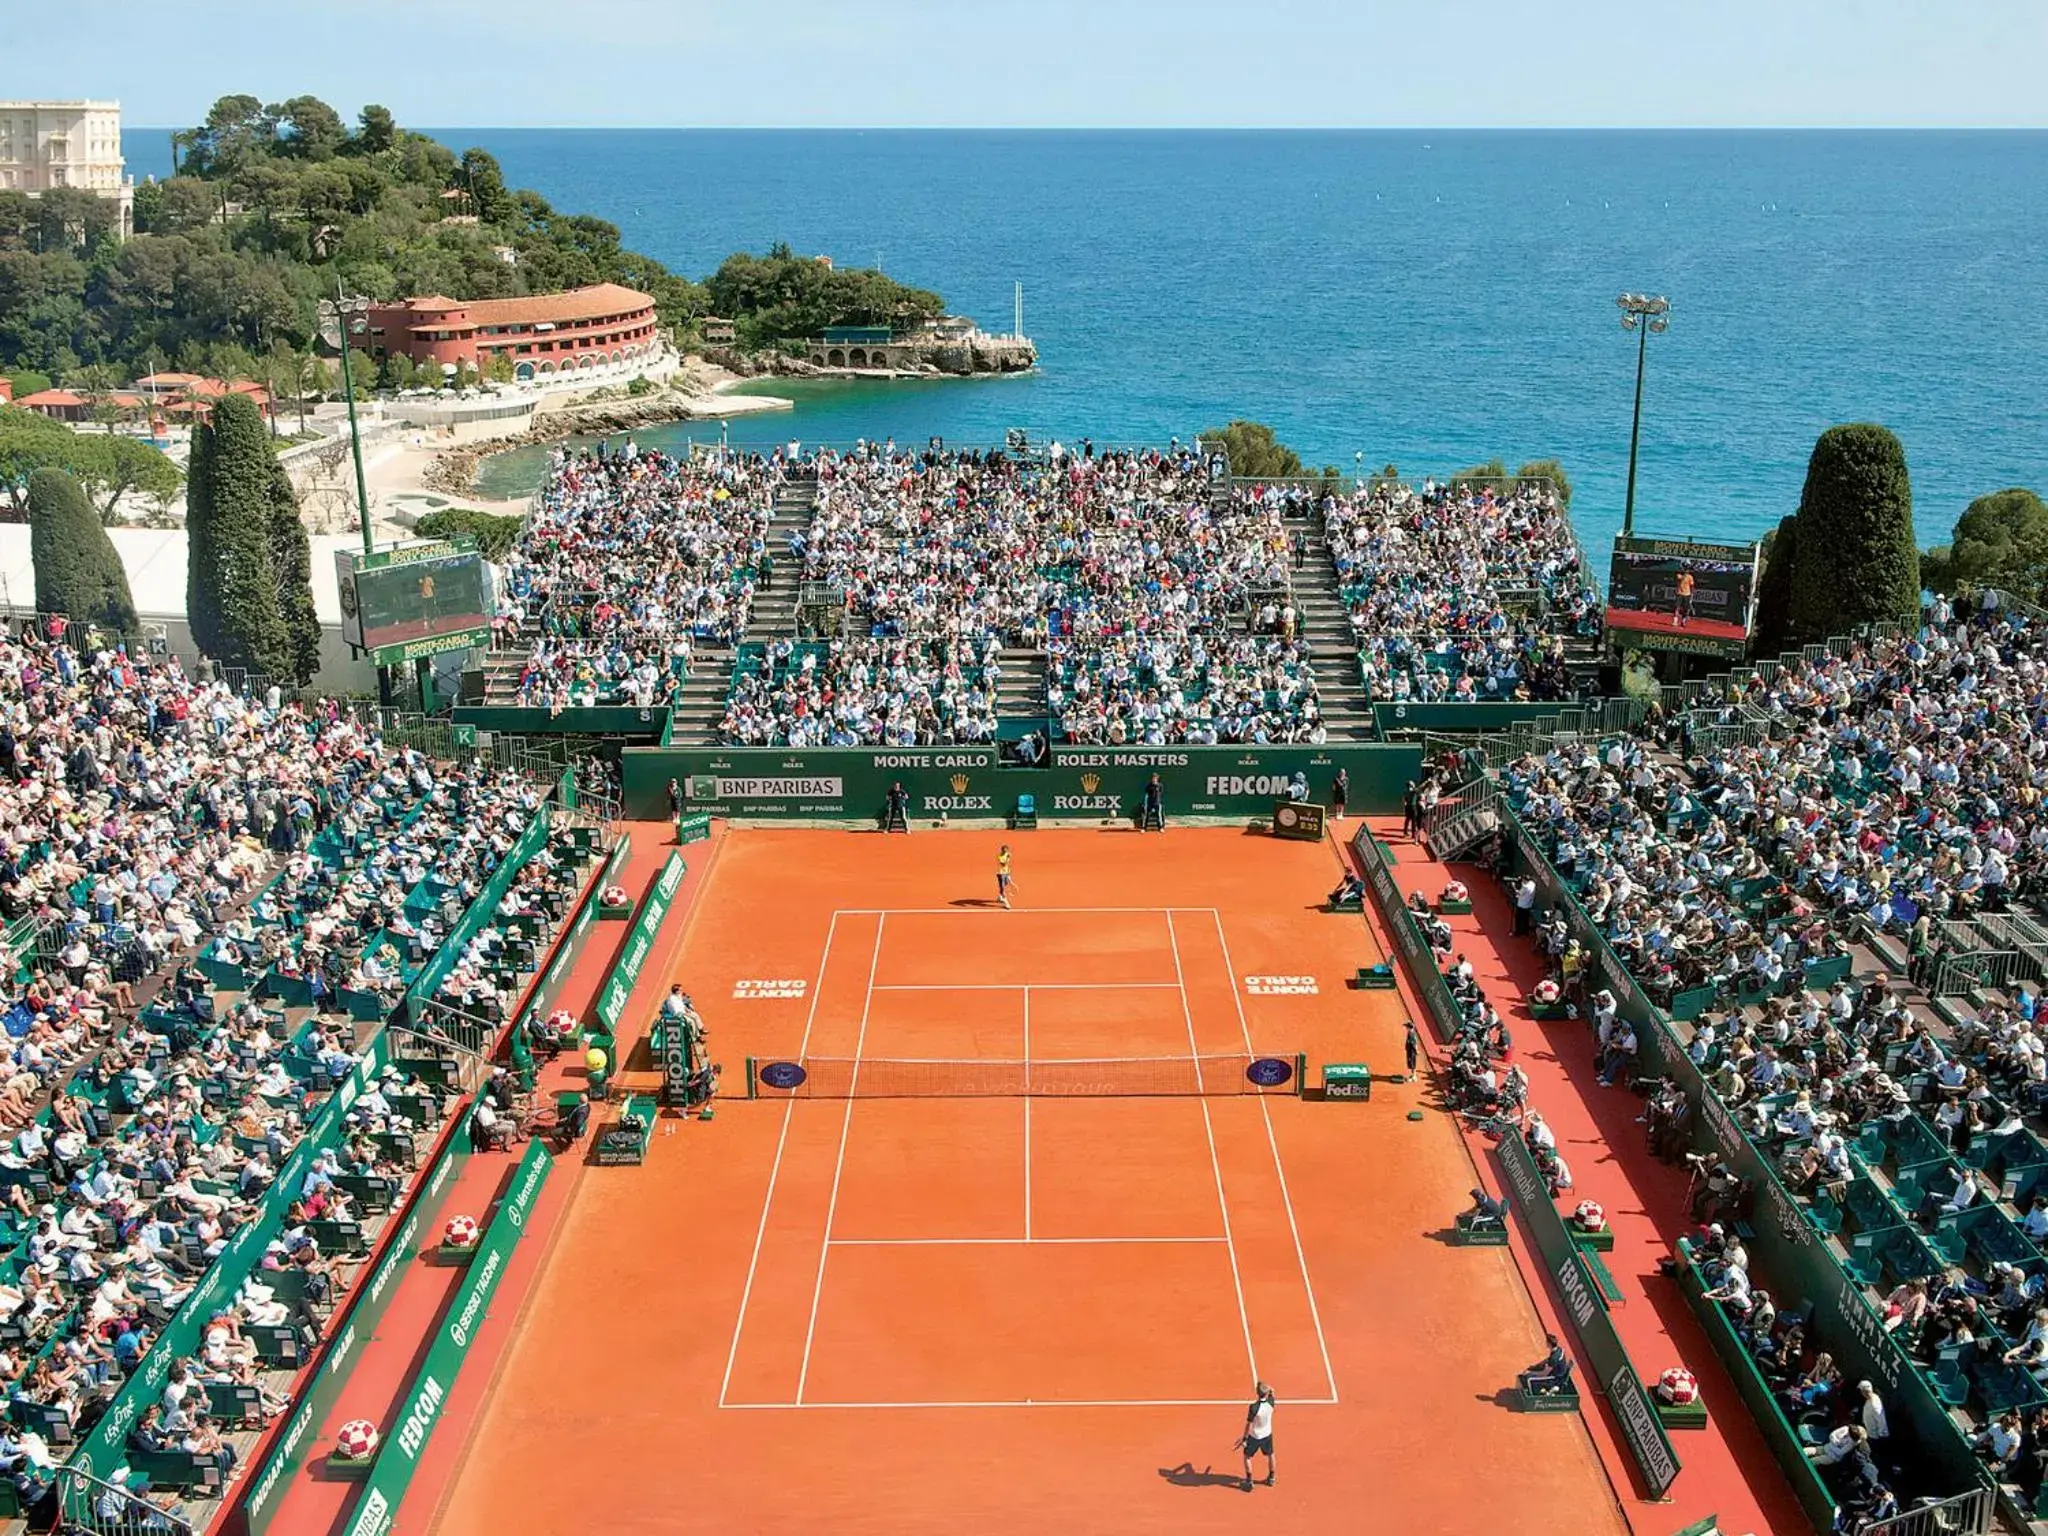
1024 1204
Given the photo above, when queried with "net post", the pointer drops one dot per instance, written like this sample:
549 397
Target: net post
752 1091
1301 1074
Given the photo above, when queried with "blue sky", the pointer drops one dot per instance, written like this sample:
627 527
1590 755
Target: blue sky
1058 63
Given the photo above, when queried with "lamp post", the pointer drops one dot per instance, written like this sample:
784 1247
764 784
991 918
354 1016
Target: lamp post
1642 314
340 318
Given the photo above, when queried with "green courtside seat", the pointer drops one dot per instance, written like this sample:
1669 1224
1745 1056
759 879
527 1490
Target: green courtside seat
1602 1276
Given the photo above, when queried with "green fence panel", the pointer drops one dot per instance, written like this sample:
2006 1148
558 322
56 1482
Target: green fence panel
480 913
618 987
649 725
1587 1308
852 784
398 1460
1763 1406
366 1306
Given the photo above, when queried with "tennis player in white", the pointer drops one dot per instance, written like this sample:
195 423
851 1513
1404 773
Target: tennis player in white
1258 1435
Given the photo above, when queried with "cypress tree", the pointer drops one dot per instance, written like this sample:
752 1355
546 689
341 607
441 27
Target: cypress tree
1774 587
230 580
1856 563
291 557
78 574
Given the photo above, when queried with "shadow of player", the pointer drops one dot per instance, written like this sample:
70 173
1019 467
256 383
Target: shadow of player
1185 1476
974 901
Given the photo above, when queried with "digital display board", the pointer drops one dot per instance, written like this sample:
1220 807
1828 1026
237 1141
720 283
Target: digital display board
413 600
1675 595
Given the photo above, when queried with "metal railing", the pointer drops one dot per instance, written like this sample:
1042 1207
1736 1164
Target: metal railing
85 1503
445 1030
1967 1514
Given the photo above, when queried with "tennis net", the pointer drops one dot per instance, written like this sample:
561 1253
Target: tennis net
1107 1077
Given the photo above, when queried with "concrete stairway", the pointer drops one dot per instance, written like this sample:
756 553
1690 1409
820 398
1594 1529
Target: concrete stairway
773 617
1325 625
1021 695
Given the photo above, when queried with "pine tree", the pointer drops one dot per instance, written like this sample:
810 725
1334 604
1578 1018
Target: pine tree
231 582
78 573
291 557
1856 563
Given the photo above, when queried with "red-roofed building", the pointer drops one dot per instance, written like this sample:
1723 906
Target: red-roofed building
6 390
599 326
69 405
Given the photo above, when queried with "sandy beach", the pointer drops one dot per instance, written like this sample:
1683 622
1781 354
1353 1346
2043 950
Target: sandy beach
413 470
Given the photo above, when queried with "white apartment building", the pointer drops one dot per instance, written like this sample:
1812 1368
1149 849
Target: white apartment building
46 144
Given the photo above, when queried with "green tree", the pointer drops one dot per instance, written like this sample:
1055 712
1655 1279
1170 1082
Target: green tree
231 582
1551 470
291 558
128 467
1774 587
2001 541
1255 454
484 181
78 573
30 441
1856 561
1480 477
308 128
375 131
494 535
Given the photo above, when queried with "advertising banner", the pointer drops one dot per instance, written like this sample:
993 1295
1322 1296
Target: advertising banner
618 987
1408 939
1074 783
1613 1375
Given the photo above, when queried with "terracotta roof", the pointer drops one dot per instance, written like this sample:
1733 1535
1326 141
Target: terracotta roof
432 301
50 397
168 380
592 303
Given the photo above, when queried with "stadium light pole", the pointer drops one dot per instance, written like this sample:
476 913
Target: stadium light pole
349 316
1642 314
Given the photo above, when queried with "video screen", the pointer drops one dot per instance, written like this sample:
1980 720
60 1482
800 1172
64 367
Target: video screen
420 599
1691 596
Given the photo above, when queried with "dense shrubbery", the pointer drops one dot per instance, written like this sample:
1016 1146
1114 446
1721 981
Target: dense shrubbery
272 204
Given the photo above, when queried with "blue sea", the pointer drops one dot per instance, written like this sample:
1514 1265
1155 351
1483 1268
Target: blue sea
1426 299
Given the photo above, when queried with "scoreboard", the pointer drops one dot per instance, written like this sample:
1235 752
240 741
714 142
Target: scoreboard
409 601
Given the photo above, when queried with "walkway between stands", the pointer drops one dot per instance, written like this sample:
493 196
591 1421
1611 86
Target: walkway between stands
386 1363
1727 1469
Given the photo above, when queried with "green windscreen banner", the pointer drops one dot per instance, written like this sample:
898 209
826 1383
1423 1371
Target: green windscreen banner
406 1436
1613 1374
1408 938
618 987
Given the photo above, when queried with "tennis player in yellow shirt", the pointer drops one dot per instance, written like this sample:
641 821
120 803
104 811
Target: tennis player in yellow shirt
1004 884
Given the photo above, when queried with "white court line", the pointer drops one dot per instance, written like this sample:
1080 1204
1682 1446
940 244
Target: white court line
1027 1116
990 911
1005 1242
839 1166
775 1168
1215 1164
1027 986
1315 1313
1055 1402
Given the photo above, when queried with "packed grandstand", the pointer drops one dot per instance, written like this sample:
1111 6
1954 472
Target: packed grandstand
215 903
1163 608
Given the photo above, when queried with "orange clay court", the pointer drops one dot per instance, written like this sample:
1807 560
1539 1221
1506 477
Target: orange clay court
971 1308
